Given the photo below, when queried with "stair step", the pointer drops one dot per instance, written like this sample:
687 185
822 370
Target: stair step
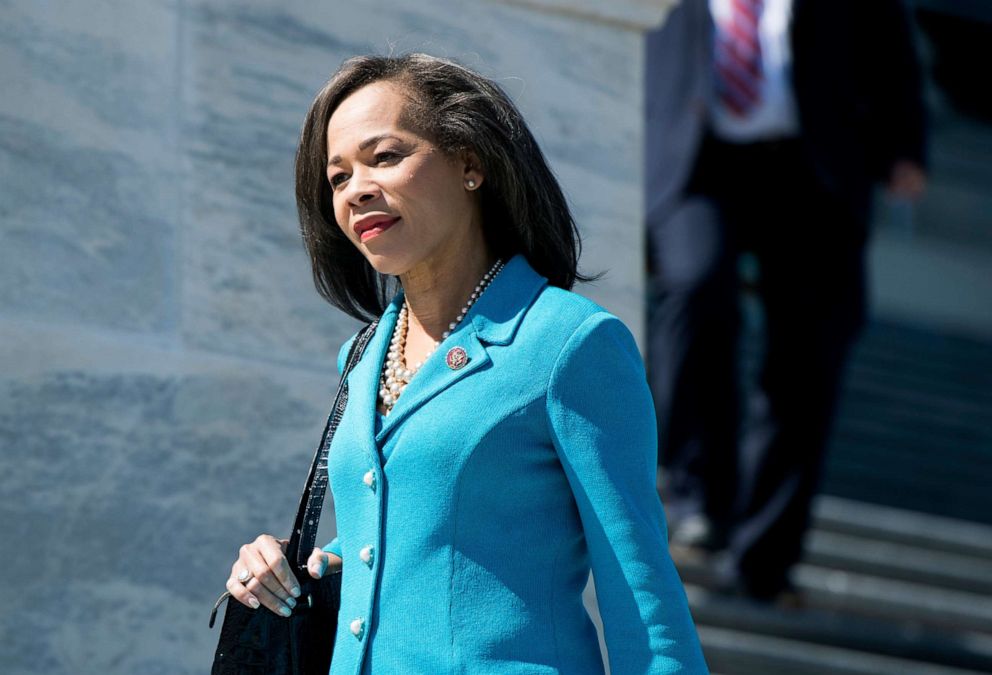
735 652
904 639
950 535
894 560
872 596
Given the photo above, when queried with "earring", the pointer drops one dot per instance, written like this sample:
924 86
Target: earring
470 184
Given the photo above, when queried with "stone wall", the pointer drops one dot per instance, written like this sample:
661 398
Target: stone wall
165 363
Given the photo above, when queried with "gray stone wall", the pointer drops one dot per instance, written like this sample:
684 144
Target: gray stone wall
165 363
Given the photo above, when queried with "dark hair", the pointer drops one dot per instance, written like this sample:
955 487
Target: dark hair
523 208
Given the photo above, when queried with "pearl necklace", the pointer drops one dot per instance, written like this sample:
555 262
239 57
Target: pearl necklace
395 374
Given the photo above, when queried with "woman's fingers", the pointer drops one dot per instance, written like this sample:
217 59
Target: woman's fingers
255 595
240 593
263 583
317 563
262 577
280 578
322 563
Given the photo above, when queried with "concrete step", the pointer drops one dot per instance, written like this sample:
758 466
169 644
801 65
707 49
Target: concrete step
739 652
913 429
886 591
903 639
872 596
878 597
894 560
922 530
866 474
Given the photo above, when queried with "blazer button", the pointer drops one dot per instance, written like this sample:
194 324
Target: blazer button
369 479
358 627
366 555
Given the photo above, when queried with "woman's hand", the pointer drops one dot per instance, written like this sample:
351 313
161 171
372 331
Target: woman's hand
261 576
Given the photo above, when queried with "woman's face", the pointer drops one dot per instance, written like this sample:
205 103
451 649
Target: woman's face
397 197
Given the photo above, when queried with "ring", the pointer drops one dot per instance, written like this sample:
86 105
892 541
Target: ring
244 575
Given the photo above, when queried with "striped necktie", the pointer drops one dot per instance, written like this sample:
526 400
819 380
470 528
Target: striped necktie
738 57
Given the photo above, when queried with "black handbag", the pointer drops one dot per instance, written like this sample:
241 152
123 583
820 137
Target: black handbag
260 642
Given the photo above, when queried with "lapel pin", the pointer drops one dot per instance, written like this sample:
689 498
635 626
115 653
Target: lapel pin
456 358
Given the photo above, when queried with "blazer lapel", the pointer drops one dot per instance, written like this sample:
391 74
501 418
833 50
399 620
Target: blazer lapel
435 376
492 320
363 382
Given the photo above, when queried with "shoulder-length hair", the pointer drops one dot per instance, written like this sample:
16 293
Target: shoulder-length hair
523 208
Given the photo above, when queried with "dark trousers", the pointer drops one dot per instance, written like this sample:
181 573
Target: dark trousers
751 460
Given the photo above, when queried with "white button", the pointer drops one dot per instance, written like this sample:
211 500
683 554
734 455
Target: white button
358 627
366 555
369 479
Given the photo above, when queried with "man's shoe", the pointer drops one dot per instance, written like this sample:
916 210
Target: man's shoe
786 598
696 531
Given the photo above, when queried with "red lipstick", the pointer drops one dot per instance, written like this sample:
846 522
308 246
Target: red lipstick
372 226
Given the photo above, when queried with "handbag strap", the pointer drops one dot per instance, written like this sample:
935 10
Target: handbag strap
301 541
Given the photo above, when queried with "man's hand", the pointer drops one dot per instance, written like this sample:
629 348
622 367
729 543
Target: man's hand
907 180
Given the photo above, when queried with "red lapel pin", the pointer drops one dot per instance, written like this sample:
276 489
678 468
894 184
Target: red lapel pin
456 358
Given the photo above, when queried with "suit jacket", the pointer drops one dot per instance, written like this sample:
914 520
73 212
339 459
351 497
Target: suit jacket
491 490
856 80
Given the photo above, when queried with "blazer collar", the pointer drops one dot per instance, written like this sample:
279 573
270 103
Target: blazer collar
500 309
492 320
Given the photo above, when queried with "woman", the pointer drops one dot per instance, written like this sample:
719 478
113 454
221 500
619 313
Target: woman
475 487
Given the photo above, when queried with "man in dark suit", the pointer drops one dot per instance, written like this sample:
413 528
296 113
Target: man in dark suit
768 123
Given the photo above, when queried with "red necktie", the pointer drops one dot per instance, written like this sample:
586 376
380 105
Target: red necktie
738 57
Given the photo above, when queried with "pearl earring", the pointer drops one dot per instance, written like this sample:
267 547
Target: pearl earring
470 184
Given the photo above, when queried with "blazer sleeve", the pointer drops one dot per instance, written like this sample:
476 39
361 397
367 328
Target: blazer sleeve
603 427
335 546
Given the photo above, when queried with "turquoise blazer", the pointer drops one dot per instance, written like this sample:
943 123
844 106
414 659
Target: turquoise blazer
469 521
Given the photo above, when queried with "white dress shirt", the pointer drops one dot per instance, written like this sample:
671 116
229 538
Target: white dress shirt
775 114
